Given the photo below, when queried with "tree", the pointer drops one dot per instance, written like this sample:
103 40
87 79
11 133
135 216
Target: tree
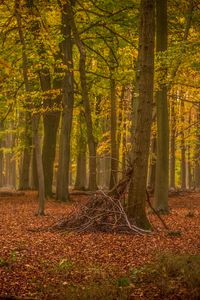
86 104
35 117
162 163
62 191
137 189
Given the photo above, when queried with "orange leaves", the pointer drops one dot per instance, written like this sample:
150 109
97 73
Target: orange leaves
46 264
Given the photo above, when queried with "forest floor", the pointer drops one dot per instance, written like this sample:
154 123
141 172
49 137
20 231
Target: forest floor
70 265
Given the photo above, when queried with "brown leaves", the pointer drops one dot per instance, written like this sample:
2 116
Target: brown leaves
33 259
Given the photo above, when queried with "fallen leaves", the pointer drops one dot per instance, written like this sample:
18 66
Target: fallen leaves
33 258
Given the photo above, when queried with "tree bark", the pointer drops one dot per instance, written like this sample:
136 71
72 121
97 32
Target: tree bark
35 118
173 146
197 154
80 182
137 189
86 103
189 167
183 148
1 158
26 157
62 190
51 120
162 162
113 134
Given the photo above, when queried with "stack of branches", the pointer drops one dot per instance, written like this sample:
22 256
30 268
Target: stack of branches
103 212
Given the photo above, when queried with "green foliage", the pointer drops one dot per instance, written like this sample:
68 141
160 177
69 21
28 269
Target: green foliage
123 281
65 264
10 260
3 262
171 274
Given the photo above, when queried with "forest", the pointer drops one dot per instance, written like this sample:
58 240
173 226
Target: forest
99 149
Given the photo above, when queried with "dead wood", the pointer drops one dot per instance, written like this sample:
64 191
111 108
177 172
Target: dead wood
4 192
103 212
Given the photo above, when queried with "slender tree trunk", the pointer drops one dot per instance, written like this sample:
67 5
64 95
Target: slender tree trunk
137 189
35 118
62 191
26 158
80 182
162 162
197 154
183 149
113 132
1 157
86 103
152 167
189 172
34 176
172 146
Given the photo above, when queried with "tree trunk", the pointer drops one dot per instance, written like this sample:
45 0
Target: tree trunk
189 168
152 167
172 146
86 103
62 190
26 158
197 153
40 173
1 158
51 122
34 176
183 149
80 182
137 189
113 135
35 118
162 162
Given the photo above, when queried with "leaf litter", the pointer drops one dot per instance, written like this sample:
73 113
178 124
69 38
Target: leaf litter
43 264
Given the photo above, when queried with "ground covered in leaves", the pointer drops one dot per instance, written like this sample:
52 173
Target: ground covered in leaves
70 265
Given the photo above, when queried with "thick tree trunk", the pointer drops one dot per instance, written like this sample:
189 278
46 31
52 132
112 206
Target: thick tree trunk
137 189
86 103
51 122
62 191
162 162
